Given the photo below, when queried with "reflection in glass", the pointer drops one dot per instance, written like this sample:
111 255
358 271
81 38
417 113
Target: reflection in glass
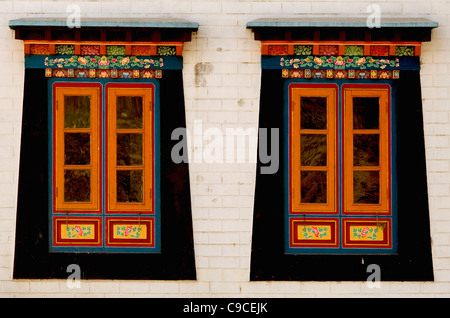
77 111
129 149
366 150
313 187
129 186
129 112
366 187
77 148
313 113
313 150
77 185
366 112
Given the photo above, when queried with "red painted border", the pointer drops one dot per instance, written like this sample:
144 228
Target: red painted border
307 85
333 242
96 241
131 85
148 242
348 242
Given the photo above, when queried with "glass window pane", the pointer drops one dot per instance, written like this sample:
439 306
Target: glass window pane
77 185
366 150
77 148
366 187
129 149
129 112
130 186
366 112
77 111
313 150
313 187
313 113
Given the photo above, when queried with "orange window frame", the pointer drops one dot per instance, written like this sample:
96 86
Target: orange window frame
330 93
146 206
59 165
384 163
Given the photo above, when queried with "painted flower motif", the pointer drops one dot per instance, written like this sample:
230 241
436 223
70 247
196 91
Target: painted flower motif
364 232
339 61
82 60
125 60
103 61
315 231
79 230
361 61
127 230
318 60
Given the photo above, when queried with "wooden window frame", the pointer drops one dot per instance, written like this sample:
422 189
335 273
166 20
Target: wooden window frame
94 91
340 162
330 92
112 92
383 207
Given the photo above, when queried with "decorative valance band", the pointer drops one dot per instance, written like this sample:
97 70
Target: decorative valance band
113 48
331 47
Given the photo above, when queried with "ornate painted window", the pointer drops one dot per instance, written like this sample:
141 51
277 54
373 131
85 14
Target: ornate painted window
97 185
105 159
351 187
340 163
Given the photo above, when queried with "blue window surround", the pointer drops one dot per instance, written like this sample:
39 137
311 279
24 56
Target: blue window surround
340 84
156 134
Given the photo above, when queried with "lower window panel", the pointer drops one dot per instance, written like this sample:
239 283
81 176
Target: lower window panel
340 235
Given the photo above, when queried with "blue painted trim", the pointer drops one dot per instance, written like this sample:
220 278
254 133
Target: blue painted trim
394 203
169 23
330 21
103 215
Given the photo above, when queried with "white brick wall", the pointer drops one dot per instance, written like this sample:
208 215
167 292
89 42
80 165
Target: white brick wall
227 95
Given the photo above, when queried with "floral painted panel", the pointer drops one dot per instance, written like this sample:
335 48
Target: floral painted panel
328 49
90 49
314 232
103 62
404 50
39 49
65 49
339 62
166 50
303 50
115 50
370 233
278 49
132 231
354 50
85 231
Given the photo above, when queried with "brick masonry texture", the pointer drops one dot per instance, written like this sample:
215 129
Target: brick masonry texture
221 86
